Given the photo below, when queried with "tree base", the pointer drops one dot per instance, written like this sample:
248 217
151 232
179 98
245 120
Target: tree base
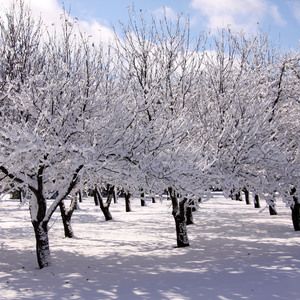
296 216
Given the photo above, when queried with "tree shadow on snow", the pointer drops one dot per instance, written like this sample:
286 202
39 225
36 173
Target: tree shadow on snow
194 273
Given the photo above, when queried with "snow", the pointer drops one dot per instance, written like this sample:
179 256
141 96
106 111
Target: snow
236 252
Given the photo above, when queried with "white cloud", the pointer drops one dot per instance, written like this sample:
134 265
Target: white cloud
238 14
96 31
295 7
51 13
48 10
230 7
166 11
277 17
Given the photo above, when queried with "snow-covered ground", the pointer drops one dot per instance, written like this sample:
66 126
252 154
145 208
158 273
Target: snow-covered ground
237 252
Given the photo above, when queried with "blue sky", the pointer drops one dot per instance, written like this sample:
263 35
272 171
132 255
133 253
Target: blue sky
279 18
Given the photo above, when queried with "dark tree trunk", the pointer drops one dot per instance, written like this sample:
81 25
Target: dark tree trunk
295 210
199 200
115 197
143 202
110 193
21 195
180 219
40 225
76 204
247 198
66 221
96 200
127 202
39 214
238 196
42 243
79 193
104 206
272 209
193 205
153 199
296 216
66 215
17 194
189 214
256 201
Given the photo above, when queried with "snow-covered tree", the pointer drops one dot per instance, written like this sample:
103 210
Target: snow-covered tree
59 115
154 111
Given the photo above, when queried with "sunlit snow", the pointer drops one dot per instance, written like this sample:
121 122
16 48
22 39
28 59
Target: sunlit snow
236 252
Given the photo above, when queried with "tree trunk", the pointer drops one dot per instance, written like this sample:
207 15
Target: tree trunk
115 197
189 216
180 219
40 216
38 208
272 209
79 193
143 202
110 193
238 196
66 216
104 206
21 195
127 202
295 210
96 200
17 194
76 199
296 216
153 199
247 198
256 201
193 205
42 243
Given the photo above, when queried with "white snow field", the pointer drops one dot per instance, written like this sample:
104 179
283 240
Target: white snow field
236 252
